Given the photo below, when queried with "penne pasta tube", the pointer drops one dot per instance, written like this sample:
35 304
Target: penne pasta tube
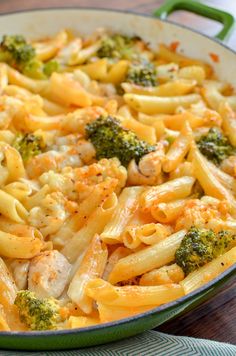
209 182
35 199
117 73
160 129
3 77
193 72
157 104
151 234
168 212
132 296
176 121
147 259
111 106
95 224
213 96
163 275
183 61
209 271
7 136
3 175
140 218
9 316
155 121
20 230
130 238
81 77
209 117
175 189
97 196
96 70
33 122
75 266
92 266
13 163
48 48
18 92
3 322
7 286
116 255
178 149
53 109
126 111
12 208
67 91
225 179
18 190
85 209
184 169
151 119
110 313
174 88
82 55
127 205
14 246
67 56
229 122
16 78
75 322
143 132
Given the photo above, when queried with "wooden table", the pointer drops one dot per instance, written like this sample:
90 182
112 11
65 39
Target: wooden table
215 318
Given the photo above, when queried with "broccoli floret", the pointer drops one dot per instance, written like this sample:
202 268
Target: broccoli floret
28 145
37 314
16 51
116 46
111 140
50 67
200 246
142 74
215 146
38 70
34 69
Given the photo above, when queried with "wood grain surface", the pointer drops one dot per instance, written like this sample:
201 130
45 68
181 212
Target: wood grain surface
215 319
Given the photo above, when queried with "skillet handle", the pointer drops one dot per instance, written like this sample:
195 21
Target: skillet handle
196 7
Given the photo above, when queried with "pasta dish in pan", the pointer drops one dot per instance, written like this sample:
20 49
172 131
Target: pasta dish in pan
117 178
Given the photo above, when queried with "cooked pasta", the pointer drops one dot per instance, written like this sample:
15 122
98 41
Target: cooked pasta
117 169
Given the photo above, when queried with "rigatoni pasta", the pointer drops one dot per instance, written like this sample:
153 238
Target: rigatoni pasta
117 178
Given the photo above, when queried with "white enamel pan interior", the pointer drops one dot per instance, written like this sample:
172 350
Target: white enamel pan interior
40 23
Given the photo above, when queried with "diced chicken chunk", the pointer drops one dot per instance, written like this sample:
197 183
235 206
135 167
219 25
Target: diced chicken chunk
48 274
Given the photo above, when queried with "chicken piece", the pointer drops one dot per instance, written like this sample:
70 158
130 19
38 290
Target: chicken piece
48 274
